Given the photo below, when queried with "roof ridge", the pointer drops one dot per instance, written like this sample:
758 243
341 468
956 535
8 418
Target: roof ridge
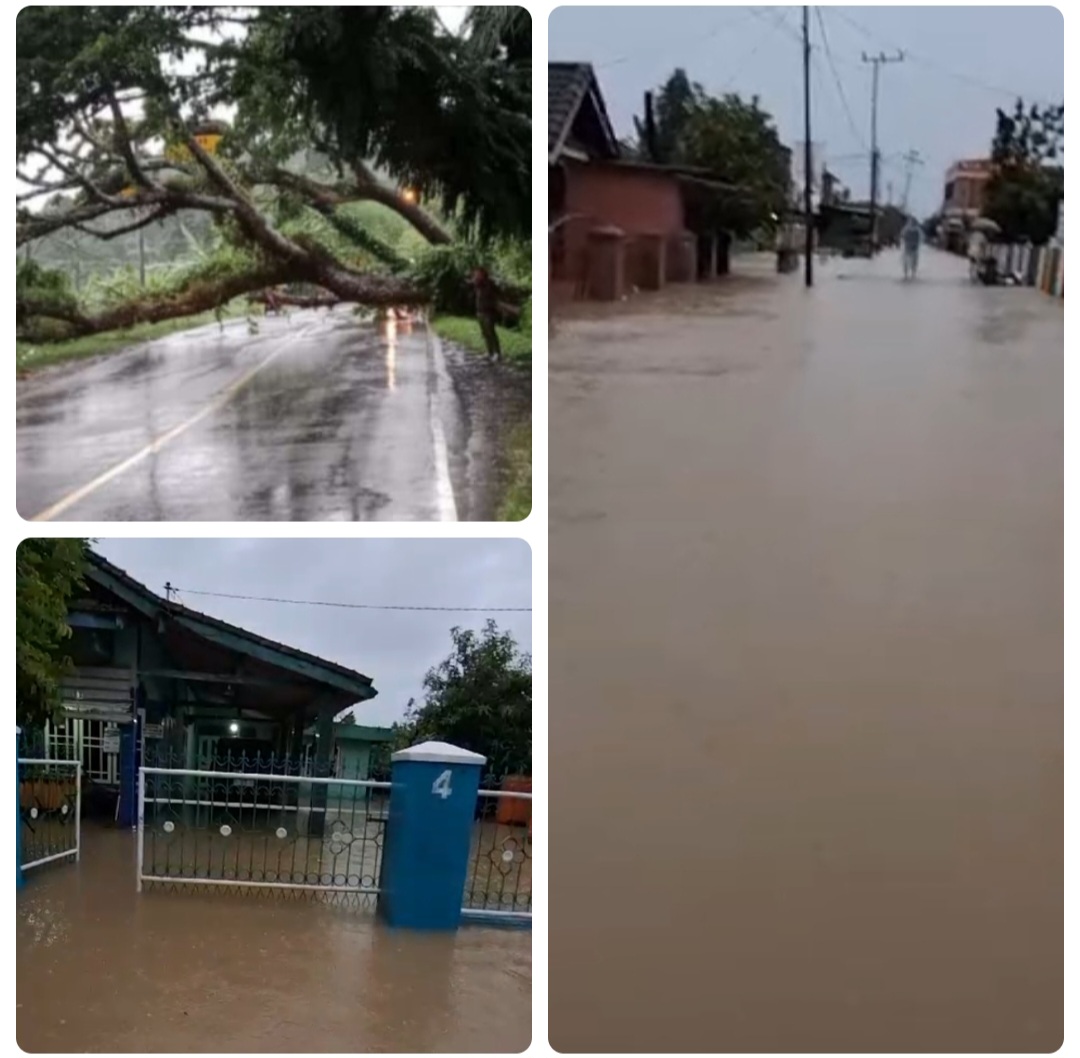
181 609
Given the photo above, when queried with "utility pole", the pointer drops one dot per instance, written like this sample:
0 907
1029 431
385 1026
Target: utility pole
911 159
877 61
808 220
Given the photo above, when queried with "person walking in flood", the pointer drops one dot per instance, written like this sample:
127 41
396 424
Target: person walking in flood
487 310
910 240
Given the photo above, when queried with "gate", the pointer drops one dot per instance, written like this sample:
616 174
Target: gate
300 836
499 878
50 804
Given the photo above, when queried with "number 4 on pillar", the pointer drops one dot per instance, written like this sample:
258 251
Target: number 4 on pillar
441 786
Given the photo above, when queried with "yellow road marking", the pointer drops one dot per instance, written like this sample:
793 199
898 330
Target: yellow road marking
155 445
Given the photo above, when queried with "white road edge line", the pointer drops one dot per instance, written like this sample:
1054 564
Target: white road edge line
444 489
157 444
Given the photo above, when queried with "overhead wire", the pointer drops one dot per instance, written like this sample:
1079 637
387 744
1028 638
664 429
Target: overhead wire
852 124
936 67
357 605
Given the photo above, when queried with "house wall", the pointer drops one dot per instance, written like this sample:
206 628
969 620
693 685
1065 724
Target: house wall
638 202
596 195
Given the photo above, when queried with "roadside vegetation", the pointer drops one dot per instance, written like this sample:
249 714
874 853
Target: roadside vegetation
30 356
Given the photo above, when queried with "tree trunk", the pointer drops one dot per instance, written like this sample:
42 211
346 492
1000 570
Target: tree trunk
202 296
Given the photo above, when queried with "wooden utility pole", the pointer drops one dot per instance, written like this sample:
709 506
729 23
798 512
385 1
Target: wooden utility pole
808 161
875 160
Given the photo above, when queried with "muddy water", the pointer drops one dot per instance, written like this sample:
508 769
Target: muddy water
102 969
806 668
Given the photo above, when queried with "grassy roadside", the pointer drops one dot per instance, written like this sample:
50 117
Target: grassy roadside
31 356
516 502
516 347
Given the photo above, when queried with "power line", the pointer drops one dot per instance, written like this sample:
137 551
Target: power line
774 24
836 78
172 589
930 64
725 23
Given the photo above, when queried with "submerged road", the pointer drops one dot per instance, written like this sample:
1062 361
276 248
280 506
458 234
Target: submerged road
806 667
315 417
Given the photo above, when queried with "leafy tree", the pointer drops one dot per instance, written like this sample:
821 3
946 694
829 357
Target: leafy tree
734 140
115 106
659 134
1027 183
348 718
47 574
479 698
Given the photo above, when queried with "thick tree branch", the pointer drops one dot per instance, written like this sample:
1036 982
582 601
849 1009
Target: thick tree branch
368 188
122 136
202 295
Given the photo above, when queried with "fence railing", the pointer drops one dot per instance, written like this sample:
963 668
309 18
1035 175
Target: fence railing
499 878
50 806
256 830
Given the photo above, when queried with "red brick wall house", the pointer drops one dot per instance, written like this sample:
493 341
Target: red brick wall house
614 224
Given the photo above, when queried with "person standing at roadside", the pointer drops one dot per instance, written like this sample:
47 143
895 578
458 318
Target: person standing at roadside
487 310
911 239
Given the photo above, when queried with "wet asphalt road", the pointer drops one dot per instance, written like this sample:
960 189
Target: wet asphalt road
806 667
316 417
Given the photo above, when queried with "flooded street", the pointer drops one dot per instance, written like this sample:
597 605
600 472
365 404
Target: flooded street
100 968
806 666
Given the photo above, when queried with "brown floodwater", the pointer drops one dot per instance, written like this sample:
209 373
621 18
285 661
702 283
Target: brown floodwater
806 636
101 968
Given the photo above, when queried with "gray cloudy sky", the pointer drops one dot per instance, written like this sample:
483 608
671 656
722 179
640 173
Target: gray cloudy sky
961 64
394 648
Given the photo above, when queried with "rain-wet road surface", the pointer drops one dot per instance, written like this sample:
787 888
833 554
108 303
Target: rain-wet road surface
806 667
101 968
315 417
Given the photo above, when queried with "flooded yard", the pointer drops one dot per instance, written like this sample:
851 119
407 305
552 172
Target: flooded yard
102 968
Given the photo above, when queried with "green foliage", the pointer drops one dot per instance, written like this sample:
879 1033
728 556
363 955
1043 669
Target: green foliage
525 323
443 272
30 356
735 140
660 139
478 698
465 331
47 574
1023 193
32 280
389 86
517 500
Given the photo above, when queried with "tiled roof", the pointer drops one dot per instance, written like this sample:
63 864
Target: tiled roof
567 84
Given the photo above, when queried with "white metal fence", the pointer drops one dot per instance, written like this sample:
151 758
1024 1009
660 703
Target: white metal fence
498 884
50 806
300 834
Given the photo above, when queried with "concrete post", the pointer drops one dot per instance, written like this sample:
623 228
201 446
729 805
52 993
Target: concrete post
127 813
428 835
20 881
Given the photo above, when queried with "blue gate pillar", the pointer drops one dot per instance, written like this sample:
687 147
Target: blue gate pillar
127 813
20 881
432 806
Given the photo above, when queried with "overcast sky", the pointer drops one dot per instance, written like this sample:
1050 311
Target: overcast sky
962 63
394 648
